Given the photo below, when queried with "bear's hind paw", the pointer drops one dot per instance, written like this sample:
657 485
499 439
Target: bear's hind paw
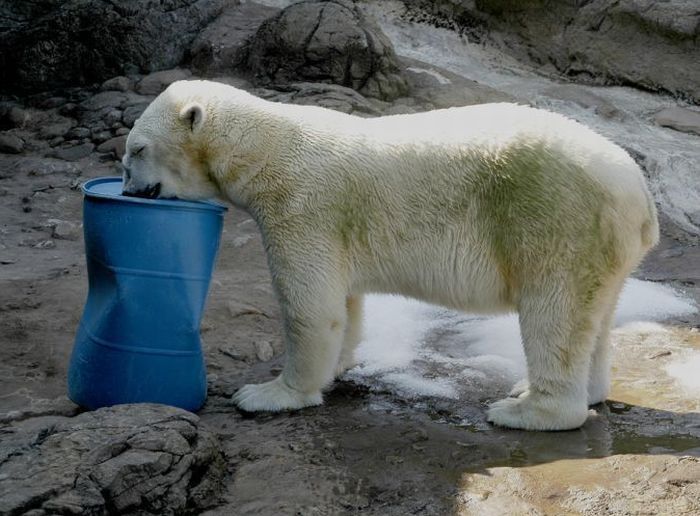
273 396
537 412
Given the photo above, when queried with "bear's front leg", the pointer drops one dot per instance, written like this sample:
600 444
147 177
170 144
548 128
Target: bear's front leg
315 317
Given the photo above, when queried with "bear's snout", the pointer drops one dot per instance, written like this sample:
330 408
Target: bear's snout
149 192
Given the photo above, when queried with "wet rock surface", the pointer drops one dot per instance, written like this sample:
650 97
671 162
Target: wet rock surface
595 40
373 448
125 459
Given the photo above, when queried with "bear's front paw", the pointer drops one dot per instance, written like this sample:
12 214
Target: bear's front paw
538 412
273 396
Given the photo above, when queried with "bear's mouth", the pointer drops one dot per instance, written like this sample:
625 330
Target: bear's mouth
150 192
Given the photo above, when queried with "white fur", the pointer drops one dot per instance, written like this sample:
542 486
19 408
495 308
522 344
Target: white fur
490 208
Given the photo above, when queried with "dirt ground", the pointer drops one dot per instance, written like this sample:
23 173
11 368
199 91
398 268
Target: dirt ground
366 450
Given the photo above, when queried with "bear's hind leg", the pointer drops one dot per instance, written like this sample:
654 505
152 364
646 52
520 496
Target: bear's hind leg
599 376
353 334
558 335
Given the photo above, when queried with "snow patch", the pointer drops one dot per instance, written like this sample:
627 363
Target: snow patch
415 349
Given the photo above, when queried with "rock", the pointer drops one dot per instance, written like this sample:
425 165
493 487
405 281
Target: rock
101 136
113 117
64 230
329 96
223 45
680 119
326 41
156 82
52 102
74 153
104 99
594 39
119 83
45 244
132 113
580 95
35 166
78 42
116 145
145 459
77 133
11 144
58 127
122 131
264 351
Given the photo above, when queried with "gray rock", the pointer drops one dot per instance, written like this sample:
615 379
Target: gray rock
329 96
63 229
101 136
35 166
223 45
122 131
113 117
104 99
145 459
132 113
119 83
78 42
78 133
326 41
58 127
596 39
680 119
11 144
116 146
156 82
74 153
264 351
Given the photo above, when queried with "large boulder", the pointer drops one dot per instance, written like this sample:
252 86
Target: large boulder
326 41
136 459
46 44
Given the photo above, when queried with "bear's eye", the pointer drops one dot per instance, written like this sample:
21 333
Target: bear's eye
137 150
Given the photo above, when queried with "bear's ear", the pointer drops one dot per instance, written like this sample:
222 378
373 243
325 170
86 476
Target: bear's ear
193 115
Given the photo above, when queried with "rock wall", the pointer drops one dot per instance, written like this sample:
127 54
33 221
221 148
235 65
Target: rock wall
651 44
45 44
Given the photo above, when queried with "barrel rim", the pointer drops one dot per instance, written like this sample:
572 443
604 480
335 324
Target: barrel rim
156 203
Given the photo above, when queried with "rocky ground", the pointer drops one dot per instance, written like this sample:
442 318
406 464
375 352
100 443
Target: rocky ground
375 447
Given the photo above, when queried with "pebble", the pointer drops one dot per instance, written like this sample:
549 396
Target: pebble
113 99
11 144
56 141
64 230
112 117
78 133
156 82
122 131
680 119
45 244
132 113
116 145
119 83
74 153
101 136
264 351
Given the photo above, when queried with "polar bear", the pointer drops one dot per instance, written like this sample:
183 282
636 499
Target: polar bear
487 208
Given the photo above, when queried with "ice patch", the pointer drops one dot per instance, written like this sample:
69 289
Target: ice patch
416 349
686 372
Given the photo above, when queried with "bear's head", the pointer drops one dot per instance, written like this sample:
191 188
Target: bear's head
166 151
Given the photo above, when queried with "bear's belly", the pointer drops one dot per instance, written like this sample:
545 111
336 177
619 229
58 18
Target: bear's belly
451 274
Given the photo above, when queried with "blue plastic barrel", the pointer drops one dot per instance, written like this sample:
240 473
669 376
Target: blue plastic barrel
149 265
